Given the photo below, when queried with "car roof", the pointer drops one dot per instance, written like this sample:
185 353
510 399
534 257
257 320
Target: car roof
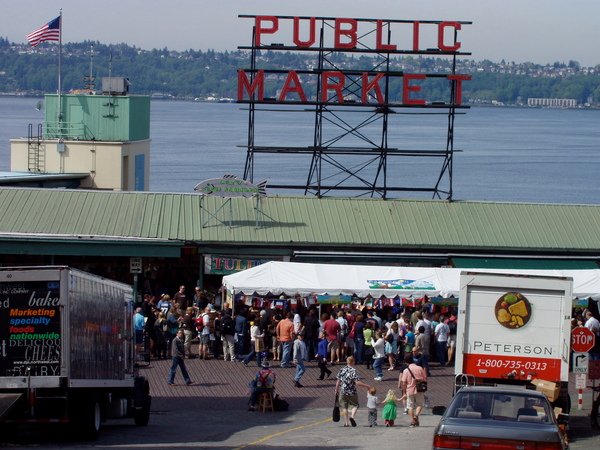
501 390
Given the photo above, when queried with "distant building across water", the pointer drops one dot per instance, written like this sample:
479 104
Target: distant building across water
552 102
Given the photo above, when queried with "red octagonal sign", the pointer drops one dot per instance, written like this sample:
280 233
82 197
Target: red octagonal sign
582 339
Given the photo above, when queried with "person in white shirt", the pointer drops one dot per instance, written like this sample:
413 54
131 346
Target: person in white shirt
442 330
379 355
593 325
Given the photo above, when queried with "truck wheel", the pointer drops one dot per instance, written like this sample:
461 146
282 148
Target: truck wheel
142 416
91 420
142 402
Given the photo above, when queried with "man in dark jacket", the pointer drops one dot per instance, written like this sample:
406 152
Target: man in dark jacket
178 353
241 326
311 333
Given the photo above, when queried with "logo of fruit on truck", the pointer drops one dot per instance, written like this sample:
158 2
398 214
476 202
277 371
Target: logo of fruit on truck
511 349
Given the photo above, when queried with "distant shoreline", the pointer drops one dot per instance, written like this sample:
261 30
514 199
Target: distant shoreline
187 99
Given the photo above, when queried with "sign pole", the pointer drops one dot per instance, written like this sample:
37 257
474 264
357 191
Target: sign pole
135 288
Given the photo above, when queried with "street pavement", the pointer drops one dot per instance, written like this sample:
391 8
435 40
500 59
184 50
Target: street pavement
213 414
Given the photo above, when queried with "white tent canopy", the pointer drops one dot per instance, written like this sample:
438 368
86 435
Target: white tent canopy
290 278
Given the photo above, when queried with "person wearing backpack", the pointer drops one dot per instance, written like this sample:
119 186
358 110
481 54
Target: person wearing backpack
228 336
263 381
161 329
342 336
203 328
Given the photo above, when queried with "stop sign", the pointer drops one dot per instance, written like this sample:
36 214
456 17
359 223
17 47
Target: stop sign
582 339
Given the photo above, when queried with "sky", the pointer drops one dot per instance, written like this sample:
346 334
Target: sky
539 31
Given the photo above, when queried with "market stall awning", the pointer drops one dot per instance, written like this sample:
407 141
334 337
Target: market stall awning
290 278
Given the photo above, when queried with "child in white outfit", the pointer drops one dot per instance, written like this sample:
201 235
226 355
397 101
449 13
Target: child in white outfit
372 400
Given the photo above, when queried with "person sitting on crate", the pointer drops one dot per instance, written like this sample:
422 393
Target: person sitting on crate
263 381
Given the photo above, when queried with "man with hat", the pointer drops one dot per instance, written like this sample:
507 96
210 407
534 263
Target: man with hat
263 381
300 356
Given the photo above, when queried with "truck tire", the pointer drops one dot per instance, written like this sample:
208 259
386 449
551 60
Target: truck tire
142 402
91 419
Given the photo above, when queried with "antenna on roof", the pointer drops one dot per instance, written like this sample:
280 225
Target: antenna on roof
90 79
110 62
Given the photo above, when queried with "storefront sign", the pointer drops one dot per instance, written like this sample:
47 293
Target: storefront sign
221 265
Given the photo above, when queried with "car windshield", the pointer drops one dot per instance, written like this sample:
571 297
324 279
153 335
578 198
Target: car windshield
506 406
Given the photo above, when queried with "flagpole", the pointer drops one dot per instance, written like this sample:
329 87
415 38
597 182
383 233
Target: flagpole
60 115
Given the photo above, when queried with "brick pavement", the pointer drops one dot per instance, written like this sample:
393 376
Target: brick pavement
223 385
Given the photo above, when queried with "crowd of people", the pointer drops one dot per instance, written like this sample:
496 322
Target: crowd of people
178 327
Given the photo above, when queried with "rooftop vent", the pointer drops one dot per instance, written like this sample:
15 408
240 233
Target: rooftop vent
115 85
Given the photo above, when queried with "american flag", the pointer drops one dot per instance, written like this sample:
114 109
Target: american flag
48 32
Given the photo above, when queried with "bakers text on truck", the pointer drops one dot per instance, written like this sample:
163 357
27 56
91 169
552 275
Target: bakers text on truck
66 350
515 330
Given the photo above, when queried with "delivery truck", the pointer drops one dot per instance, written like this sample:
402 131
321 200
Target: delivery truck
67 354
515 330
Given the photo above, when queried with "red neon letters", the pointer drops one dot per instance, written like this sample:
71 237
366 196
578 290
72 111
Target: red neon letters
347 32
332 87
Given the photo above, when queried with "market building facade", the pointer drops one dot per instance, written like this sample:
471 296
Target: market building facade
196 239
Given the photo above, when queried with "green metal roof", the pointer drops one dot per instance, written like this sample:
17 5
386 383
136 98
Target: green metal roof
299 222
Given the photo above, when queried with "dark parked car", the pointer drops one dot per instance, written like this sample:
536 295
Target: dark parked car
498 418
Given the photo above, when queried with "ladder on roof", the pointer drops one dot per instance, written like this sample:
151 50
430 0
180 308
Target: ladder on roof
36 150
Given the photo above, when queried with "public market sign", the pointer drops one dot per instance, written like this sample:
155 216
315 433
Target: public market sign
361 36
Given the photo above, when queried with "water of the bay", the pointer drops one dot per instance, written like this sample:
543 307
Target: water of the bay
506 154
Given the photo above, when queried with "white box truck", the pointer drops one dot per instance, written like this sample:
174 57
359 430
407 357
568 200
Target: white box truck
514 329
66 350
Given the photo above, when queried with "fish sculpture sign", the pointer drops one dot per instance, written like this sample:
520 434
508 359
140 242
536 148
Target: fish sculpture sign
231 186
